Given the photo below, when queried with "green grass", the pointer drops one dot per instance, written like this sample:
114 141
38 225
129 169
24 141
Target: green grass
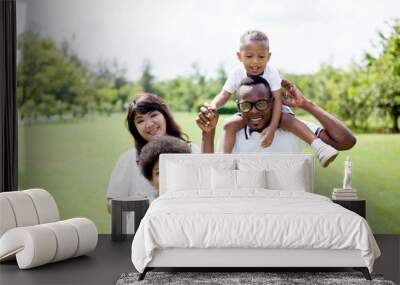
74 159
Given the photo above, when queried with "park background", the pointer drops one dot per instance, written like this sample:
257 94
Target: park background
80 62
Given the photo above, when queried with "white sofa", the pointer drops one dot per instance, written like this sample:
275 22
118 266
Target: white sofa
31 231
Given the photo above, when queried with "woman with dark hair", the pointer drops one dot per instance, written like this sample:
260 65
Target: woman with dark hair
148 117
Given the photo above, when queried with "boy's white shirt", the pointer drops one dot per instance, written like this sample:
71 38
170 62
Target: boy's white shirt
270 74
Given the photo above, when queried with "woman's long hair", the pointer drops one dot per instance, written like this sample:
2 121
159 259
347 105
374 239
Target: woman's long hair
148 102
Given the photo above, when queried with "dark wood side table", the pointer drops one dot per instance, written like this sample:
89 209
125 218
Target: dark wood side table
119 207
357 206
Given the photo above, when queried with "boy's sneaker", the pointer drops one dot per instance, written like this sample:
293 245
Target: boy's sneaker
325 153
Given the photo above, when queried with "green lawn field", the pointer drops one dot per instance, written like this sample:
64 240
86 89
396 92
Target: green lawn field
74 159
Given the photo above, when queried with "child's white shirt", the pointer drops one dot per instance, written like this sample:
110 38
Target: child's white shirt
270 74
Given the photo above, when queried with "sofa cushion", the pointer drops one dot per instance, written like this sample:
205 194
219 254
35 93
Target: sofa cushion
27 208
40 244
32 246
67 240
31 233
45 205
23 208
7 220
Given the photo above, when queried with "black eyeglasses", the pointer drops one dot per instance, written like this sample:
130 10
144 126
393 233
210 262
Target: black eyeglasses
261 105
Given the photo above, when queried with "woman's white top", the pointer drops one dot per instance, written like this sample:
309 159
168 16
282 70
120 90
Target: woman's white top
128 181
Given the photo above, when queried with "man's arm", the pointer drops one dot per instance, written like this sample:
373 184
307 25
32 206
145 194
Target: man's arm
226 142
334 132
207 142
207 125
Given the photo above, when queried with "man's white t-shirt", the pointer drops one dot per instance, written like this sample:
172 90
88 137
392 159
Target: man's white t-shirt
247 141
270 74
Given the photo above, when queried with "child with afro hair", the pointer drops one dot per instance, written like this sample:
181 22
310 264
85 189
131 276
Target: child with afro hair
150 154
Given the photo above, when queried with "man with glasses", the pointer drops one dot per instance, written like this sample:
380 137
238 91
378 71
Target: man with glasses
254 100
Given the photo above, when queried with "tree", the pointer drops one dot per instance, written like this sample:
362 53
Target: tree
221 75
147 79
53 80
48 75
112 73
385 72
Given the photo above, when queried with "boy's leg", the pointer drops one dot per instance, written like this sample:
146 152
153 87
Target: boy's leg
289 123
229 131
325 153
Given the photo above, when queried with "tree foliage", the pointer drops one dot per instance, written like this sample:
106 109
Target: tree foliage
366 95
54 81
147 79
384 74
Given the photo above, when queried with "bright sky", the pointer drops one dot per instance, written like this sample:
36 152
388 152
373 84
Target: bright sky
174 34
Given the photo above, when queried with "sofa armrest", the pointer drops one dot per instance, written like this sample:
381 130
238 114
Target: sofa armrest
41 244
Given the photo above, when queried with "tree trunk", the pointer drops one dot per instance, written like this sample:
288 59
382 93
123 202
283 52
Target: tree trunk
395 120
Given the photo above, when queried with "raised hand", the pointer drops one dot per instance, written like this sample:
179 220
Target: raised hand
295 98
207 118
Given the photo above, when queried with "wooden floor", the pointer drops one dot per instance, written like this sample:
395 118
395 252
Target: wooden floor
111 259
